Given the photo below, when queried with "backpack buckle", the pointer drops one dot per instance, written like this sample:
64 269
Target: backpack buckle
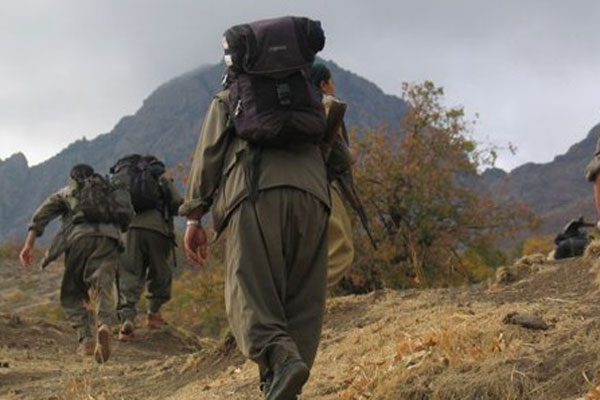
284 94
238 108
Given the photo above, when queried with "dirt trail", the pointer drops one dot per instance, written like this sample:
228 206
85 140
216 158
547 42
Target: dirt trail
42 363
414 345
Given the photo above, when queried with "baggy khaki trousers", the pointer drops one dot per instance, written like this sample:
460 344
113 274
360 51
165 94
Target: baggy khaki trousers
91 263
145 262
276 274
339 241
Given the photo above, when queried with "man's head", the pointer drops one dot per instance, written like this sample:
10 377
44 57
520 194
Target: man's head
321 77
81 171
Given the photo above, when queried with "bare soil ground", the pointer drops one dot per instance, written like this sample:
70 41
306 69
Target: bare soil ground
414 345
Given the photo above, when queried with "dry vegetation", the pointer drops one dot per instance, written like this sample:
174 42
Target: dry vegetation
414 344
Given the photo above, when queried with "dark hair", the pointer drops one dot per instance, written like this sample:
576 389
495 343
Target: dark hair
81 171
319 73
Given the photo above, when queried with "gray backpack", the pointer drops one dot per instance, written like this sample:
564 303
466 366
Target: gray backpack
271 99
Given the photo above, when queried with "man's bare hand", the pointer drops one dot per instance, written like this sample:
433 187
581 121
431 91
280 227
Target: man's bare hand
26 256
195 244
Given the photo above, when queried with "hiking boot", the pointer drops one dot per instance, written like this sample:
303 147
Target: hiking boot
126 333
288 380
86 348
102 351
155 320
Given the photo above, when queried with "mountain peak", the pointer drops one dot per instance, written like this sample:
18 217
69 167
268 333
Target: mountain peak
17 159
167 125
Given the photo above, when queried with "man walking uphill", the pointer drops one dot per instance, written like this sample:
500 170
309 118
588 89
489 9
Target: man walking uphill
149 240
338 163
258 167
92 211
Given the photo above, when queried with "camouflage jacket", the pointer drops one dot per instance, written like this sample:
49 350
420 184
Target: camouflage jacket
59 205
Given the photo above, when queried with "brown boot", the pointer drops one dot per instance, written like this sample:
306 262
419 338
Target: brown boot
102 351
155 320
126 333
86 348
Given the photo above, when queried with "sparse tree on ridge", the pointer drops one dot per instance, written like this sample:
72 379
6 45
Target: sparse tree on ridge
419 187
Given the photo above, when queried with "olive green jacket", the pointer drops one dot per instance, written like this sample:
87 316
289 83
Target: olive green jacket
217 178
155 220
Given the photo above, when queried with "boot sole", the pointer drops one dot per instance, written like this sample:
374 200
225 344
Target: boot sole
291 384
127 334
102 352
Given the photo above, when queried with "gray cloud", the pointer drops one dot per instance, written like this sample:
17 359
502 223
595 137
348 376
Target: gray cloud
529 68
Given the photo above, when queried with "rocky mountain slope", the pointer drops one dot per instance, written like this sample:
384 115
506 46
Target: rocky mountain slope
168 122
458 343
557 191
166 125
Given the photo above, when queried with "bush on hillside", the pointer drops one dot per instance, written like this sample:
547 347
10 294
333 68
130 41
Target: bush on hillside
419 185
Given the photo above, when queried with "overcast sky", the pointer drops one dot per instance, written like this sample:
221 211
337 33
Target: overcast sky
530 69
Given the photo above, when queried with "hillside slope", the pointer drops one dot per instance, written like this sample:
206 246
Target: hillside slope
412 345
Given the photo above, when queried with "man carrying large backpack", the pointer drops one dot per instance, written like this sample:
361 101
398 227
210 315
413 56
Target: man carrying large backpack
92 210
259 169
149 240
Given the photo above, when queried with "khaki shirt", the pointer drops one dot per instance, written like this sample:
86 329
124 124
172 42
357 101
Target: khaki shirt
593 167
218 175
161 222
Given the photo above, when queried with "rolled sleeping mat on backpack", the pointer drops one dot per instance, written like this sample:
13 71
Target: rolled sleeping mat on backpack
273 45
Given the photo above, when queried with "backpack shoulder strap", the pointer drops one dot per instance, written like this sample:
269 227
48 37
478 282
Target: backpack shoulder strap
223 98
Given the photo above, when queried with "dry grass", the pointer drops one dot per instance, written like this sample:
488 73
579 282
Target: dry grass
456 353
79 388
522 268
445 344
593 394
9 250
592 251
197 303
428 362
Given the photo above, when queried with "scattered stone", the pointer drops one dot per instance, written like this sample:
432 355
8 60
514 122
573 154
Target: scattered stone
526 321
4 364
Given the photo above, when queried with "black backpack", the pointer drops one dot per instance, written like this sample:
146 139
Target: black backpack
272 101
141 175
94 201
